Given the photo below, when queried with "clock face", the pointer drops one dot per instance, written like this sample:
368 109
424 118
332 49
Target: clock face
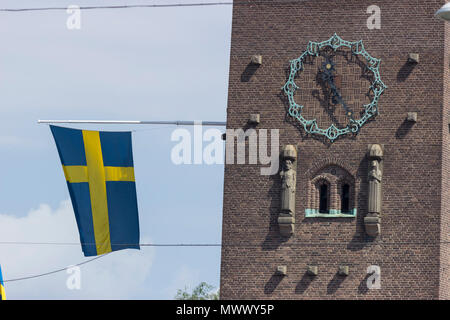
334 87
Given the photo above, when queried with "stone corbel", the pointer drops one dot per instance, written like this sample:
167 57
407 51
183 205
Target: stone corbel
288 174
372 221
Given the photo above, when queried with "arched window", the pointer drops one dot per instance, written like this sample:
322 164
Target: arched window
331 193
345 198
323 198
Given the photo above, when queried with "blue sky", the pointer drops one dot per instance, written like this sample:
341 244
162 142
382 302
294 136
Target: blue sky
137 64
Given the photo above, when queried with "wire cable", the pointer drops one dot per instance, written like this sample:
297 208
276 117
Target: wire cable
116 244
130 6
240 245
243 244
169 5
55 271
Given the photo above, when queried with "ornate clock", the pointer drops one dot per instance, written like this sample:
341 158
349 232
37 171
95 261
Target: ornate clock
337 85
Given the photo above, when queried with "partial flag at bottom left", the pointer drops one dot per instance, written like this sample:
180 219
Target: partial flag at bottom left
2 286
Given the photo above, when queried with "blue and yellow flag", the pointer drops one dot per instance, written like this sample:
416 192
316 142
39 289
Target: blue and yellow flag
2 286
100 175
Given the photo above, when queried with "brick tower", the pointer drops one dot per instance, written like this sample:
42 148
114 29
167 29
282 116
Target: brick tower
371 198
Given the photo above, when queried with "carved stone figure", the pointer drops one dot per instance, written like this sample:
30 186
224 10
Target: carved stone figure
288 175
372 221
375 176
288 184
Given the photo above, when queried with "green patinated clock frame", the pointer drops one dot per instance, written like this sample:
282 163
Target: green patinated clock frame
377 87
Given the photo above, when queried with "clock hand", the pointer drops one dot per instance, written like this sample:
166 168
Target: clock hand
337 98
348 111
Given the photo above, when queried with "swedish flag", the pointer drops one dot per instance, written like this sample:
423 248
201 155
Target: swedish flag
2 286
100 175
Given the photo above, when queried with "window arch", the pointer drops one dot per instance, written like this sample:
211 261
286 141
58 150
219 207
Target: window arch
320 195
331 193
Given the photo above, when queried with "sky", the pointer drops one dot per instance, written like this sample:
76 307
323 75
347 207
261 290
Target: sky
123 64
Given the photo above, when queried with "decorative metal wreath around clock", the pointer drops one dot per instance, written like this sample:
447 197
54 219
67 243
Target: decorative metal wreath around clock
376 88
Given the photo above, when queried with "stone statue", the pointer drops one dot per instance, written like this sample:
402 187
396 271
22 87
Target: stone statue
288 185
374 187
373 220
288 175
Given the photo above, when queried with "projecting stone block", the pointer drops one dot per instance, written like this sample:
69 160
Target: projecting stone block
282 270
286 225
254 119
343 271
412 117
312 270
413 58
372 224
257 59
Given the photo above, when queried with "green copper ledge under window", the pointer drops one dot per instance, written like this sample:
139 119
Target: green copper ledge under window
314 213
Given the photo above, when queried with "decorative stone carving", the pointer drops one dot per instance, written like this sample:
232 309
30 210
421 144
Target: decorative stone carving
288 183
372 221
288 174
375 176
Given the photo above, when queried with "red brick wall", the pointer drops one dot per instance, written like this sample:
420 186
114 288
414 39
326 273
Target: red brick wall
444 292
416 186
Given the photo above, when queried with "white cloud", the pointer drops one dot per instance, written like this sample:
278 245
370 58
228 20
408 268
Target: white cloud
119 275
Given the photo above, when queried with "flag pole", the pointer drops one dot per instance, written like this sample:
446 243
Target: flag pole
177 123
